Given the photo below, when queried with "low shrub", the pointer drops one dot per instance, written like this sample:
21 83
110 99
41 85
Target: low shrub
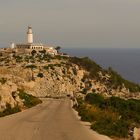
18 58
51 66
31 66
110 127
9 110
93 98
88 65
110 116
84 91
115 79
29 100
3 80
40 75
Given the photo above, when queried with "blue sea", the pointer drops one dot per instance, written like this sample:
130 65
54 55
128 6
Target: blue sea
125 61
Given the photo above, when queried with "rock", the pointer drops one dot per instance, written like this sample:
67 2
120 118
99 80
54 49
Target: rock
136 134
6 96
61 79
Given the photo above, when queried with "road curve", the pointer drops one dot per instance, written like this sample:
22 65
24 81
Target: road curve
54 119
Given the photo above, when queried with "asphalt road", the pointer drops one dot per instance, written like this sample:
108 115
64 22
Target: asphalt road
54 119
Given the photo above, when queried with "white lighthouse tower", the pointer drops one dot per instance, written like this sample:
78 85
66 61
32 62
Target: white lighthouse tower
30 35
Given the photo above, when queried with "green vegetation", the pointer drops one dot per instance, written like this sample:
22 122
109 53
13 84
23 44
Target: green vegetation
2 59
43 57
60 57
18 58
26 59
88 65
3 80
9 110
51 66
74 71
58 49
43 52
110 116
40 75
33 52
84 91
29 100
115 79
31 66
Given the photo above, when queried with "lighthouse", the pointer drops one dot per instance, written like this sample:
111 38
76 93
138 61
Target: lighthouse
27 48
30 35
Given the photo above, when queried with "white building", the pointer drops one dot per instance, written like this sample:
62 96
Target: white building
29 46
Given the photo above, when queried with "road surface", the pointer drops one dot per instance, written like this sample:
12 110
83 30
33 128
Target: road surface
54 119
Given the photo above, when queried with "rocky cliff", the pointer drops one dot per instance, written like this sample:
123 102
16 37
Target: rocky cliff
46 76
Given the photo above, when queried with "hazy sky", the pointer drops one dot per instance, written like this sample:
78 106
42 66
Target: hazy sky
72 23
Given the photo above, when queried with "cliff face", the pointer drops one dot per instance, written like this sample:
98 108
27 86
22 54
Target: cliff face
58 77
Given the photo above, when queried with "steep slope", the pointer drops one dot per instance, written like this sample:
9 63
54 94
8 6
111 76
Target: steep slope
58 76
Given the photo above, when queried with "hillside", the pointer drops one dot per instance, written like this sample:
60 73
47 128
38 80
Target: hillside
25 77
42 75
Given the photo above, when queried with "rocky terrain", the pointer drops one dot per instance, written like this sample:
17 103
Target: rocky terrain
24 78
45 76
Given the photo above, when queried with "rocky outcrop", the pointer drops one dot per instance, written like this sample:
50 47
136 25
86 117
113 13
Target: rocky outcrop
58 78
60 81
8 96
136 133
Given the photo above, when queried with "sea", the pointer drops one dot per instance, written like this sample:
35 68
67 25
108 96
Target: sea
125 61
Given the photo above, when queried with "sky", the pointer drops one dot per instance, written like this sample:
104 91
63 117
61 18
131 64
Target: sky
72 23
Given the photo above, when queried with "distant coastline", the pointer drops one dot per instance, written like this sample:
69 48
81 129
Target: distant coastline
125 61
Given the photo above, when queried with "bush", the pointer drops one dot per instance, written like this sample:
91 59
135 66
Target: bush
60 57
3 80
115 79
40 75
84 91
31 66
74 71
108 127
49 66
33 52
88 65
46 67
29 100
84 113
18 58
110 116
9 110
93 98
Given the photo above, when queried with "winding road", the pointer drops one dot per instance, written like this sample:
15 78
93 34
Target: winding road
54 119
